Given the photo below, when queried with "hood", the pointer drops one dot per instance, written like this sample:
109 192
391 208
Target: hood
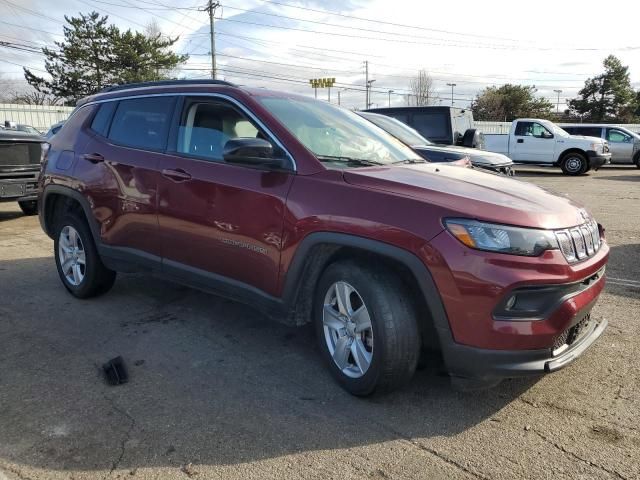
482 157
16 136
590 139
469 193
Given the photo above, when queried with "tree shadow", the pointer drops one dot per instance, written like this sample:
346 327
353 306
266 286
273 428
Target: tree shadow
211 382
622 178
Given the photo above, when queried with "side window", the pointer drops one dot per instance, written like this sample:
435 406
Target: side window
617 136
571 130
532 129
589 131
433 125
100 123
524 129
206 126
403 117
142 122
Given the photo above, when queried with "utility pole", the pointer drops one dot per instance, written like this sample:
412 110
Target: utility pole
390 92
211 9
558 104
369 83
452 85
366 83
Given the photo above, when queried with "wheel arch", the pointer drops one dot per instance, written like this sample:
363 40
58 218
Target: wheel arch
318 250
58 199
573 150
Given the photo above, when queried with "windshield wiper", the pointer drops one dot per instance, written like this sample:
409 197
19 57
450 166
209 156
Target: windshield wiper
410 160
348 160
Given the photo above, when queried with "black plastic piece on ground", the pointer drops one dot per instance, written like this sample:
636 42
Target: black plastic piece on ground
115 371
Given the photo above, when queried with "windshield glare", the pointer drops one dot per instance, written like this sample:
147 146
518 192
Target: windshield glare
331 131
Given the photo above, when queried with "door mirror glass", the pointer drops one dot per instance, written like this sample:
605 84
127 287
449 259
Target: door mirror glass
546 134
255 152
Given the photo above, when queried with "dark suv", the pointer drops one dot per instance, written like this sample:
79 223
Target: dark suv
312 213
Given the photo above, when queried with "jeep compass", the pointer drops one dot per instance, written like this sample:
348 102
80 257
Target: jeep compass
314 214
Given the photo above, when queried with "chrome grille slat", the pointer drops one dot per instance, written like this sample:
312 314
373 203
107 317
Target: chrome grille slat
579 242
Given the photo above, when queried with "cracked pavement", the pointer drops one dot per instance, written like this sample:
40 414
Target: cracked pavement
218 391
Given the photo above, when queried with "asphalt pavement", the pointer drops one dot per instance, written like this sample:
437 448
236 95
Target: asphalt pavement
218 391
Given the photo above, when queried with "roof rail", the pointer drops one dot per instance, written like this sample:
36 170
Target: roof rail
158 83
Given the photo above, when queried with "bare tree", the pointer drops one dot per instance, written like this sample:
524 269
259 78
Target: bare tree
422 89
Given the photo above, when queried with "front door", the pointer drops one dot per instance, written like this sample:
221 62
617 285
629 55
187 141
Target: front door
533 143
219 221
621 145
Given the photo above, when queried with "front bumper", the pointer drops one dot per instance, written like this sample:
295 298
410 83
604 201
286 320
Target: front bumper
596 160
474 368
17 184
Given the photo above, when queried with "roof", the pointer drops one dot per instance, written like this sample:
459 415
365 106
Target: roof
20 137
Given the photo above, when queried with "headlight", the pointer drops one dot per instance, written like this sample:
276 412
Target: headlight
597 146
501 238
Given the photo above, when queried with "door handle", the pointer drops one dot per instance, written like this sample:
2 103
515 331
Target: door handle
521 140
177 175
94 157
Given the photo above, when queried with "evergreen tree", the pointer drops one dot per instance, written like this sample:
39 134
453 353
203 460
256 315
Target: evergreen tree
607 97
94 55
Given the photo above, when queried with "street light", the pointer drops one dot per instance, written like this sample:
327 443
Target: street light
390 92
451 85
558 104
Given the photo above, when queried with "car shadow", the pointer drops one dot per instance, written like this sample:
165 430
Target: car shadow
6 215
623 272
211 382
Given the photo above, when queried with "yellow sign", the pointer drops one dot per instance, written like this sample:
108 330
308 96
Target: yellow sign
322 82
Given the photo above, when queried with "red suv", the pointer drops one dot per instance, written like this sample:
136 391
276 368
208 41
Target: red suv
316 215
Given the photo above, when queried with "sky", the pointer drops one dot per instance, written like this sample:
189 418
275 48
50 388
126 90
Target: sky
281 44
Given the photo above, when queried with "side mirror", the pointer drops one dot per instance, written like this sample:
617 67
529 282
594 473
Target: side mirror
547 135
252 152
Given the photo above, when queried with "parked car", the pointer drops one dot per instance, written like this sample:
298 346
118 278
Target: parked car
20 155
493 162
541 142
623 143
21 127
441 125
313 214
55 128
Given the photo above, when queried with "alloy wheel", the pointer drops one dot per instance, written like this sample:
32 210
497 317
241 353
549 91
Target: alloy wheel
72 256
347 329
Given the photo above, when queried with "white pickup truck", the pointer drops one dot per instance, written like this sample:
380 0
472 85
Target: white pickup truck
541 142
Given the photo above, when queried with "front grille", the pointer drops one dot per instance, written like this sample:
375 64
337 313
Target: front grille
580 242
571 335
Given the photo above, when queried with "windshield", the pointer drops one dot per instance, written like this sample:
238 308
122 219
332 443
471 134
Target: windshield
336 135
401 131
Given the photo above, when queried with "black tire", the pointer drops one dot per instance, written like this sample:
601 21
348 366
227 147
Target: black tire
29 207
574 163
637 160
97 278
396 337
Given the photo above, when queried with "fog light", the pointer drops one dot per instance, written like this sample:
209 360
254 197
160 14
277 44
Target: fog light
511 302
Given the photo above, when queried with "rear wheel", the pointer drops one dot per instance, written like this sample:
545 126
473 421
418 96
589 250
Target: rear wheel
29 207
366 328
637 160
79 265
574 164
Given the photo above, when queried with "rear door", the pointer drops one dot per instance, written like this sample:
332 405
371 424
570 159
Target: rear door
220 223
119 166
621 145
532 143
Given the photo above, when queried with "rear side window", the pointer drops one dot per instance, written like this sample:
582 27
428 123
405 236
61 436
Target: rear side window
433 125
100 123
142 122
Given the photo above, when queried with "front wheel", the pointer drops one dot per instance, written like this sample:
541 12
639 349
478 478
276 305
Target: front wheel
366 328
79 265
574 164
29 207
637 160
